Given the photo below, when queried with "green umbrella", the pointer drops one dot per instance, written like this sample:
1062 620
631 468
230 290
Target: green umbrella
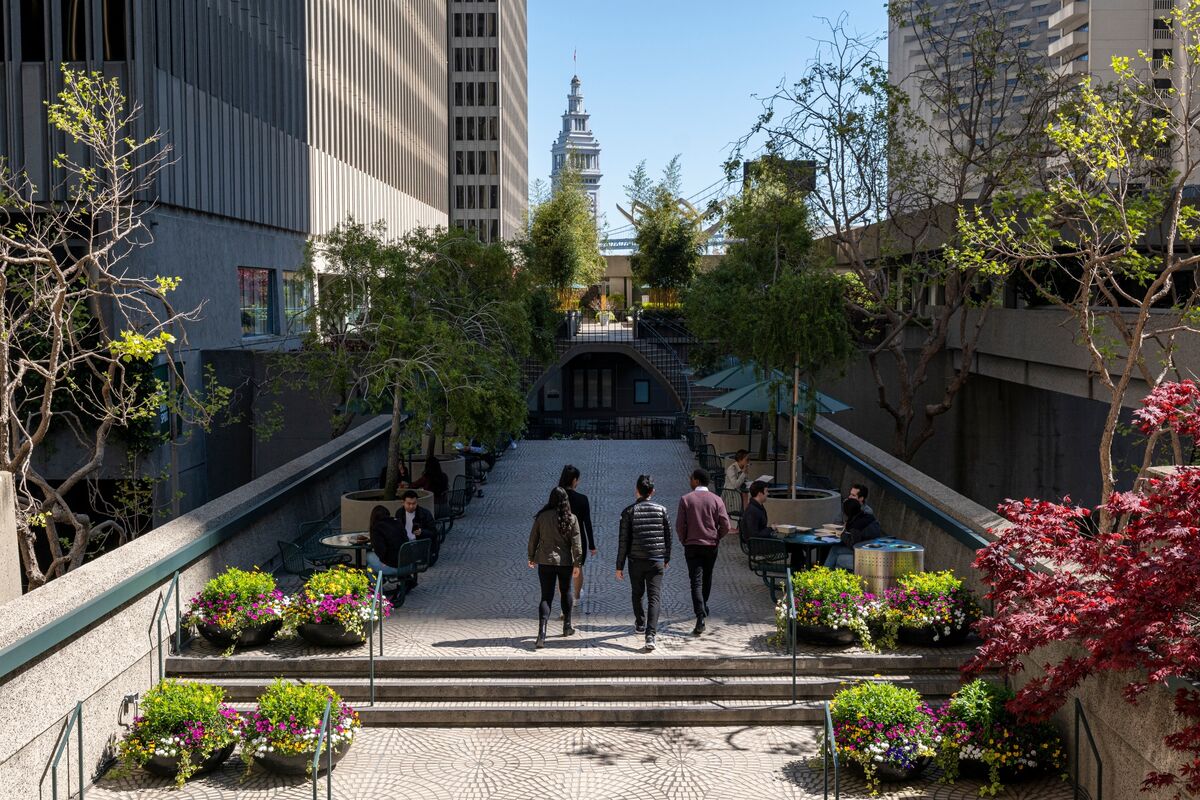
756 398
732 378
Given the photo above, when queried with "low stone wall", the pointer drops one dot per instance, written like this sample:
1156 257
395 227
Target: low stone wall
116 654
913 506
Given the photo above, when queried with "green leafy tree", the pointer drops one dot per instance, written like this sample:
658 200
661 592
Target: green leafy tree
669 244
1109 238
431 325
563 247
892 163
80 331
640 188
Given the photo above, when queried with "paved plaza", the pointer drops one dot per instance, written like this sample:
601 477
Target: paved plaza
480 600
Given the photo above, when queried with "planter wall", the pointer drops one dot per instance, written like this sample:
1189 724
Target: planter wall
811 508
728 441
709 423
779 470
357 506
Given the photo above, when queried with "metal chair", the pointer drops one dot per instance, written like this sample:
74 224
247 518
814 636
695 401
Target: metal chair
304 561
768 560
412 558
733 503
458 499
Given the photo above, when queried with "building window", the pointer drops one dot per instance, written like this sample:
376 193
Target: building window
470 93
495 57
74 30
495 129
470 162
458 129
458 93
493 94
470 59
495 230
641 392
458 197
33 32
114 30
297 299
470 129
479 52
495 159
258 307
469 27
458 59
470 197
492 24
458 29
495 197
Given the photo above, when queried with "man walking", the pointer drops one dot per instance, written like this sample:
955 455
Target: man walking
700 523
645 541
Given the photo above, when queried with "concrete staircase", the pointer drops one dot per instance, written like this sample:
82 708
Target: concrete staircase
535 691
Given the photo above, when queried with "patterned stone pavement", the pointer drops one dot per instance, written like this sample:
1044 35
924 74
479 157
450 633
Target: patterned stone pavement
481 599
568 764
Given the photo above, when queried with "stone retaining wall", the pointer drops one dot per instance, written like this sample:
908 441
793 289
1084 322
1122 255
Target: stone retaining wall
116 655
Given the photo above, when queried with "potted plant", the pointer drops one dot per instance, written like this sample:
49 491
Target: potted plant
934 607
281 733
833 608
334 609
184 729
982 739
885 730
237 609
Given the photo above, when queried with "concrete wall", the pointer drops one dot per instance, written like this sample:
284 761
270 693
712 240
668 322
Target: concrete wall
1129 738
114 656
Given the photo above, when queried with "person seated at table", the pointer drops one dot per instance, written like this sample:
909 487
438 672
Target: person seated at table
858 492
386 538
753 521
402 468
433 479
418 524
736 473
860 526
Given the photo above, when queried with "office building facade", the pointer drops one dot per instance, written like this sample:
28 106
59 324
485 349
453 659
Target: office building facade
489 98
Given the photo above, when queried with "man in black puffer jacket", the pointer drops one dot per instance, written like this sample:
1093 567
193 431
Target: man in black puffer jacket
645 540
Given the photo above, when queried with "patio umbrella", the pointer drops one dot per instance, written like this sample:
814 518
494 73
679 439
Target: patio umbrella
732 378
756 398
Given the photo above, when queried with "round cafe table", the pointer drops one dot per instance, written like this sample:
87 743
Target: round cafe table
810 546
358 541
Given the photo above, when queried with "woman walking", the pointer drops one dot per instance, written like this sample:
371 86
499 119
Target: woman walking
582 509
556 551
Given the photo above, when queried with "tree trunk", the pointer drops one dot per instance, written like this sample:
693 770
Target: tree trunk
393 452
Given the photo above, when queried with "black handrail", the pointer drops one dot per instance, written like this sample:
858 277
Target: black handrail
172 591
828 753
1081 717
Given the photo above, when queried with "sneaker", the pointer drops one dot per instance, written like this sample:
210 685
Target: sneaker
649 643
639 627
699 629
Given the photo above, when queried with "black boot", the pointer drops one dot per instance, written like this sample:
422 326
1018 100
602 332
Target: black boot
541 637
568 629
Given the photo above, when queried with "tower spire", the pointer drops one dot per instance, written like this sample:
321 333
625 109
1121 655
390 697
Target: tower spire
577 145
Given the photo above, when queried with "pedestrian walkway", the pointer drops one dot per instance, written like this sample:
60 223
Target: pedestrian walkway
459 660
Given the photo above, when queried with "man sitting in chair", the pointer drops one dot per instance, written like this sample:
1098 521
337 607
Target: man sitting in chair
388 534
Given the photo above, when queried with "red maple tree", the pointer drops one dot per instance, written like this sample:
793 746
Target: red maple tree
1127 600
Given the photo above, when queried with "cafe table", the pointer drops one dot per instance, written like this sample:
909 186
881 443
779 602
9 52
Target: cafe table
358 541
809 545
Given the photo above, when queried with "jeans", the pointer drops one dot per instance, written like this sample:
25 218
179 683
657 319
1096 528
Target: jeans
548 576
376 565
645 577
840 557
701 558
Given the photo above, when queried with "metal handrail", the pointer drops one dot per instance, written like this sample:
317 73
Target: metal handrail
1081 717
172 590
791 629
376 622
829 752
325 740
675 365
75 721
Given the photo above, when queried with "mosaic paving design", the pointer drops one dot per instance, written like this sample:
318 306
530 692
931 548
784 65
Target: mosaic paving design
567 764
480 600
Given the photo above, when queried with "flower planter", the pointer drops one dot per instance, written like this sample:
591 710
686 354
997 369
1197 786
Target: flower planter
168 766
979 770
331 634
889 773
255 636
823 634
299 764
929 636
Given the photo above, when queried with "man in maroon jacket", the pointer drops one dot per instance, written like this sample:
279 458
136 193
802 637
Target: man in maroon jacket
700 523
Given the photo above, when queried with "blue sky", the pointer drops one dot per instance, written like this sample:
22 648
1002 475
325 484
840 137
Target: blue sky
662 77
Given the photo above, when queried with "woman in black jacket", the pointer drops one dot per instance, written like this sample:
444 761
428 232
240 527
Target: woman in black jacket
582 509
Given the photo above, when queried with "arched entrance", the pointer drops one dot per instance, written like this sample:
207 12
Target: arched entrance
605 390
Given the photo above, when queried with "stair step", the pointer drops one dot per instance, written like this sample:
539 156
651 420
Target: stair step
585 690
569 714
329 667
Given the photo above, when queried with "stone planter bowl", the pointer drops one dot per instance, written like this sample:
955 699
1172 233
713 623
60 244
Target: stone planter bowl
168 766
356 506
255 636
707 423
299 764
331 634
730 441
924 637
825 635
812 508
